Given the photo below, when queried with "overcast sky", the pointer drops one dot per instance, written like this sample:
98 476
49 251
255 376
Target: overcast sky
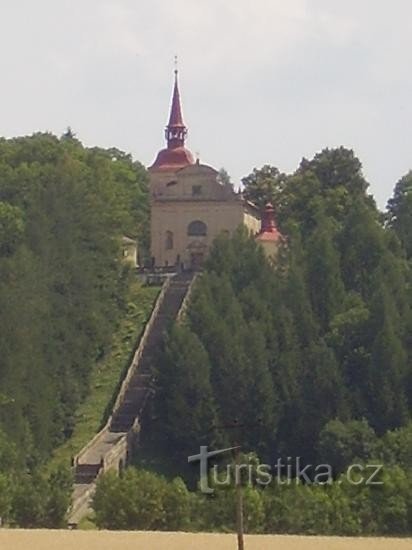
263 81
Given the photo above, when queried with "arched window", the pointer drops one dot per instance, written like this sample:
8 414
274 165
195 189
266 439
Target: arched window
169 240
197 229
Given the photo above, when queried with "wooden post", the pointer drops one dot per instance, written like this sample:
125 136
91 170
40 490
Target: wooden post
239 502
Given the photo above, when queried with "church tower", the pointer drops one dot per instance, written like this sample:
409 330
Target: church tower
175 155
190 207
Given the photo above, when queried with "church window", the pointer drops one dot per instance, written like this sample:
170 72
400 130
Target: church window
197 229
169 240
196 190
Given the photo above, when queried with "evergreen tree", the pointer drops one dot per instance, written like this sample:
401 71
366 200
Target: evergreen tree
400 212
324 275
184 401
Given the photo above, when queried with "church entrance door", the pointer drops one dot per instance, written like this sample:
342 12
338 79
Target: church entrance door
196 260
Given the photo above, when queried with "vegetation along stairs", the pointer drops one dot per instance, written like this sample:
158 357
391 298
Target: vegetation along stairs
110 448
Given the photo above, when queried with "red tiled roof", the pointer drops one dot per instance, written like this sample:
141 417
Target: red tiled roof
173 159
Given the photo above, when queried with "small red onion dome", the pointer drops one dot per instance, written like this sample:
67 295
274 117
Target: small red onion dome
173 159
269 230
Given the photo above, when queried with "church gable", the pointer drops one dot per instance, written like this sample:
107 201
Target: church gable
196 183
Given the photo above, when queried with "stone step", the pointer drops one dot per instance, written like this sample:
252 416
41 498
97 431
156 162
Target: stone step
139 390
86 473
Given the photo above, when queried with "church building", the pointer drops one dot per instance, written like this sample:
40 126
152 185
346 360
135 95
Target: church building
190 206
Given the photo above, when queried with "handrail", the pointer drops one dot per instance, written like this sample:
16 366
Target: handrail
120 447
140 349
90 444
186 299
114 450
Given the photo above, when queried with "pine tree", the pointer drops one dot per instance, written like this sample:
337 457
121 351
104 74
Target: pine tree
400 212
386 381
184 401
324 275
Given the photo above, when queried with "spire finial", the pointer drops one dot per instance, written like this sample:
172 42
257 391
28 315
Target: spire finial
176 65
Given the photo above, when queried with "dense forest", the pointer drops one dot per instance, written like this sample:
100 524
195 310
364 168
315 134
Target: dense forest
325 334
143 500
314 354
63 211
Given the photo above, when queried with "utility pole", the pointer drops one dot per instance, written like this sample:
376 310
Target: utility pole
239 502
238 480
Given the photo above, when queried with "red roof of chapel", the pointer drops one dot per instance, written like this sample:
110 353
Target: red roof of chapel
269 230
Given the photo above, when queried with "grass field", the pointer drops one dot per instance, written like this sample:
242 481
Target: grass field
104 540
108 372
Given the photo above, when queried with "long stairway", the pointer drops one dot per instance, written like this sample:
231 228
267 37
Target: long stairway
141 384
111 442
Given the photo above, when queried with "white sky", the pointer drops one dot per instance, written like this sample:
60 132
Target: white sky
263 81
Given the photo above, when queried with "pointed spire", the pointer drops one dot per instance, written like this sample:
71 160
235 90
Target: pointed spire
175 156
176 130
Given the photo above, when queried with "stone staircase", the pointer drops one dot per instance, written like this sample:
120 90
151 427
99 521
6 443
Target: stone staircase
140 385
109 449
86 473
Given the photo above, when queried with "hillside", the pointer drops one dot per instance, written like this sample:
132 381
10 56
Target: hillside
109 371
308 361
71 309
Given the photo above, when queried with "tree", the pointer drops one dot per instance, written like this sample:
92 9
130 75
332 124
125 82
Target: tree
184 401
388 406
5 498
264 185
29 501
11 228
399 214
396 447
59 495
344 443
141 500
224 178
337 168
63 210
327 291
178 504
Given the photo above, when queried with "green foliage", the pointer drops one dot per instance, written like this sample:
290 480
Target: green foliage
400 212
140 500
40 500
224 177
63 210
344 443
322 336
11 228
312 357
263 185
185 400
108 372
5 498
143 500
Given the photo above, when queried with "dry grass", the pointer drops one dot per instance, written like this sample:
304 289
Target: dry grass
104 540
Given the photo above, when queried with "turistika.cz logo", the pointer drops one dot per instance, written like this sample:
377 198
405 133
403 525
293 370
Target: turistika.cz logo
284 472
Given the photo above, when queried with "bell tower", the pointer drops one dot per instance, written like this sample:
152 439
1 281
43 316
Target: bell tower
175 156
